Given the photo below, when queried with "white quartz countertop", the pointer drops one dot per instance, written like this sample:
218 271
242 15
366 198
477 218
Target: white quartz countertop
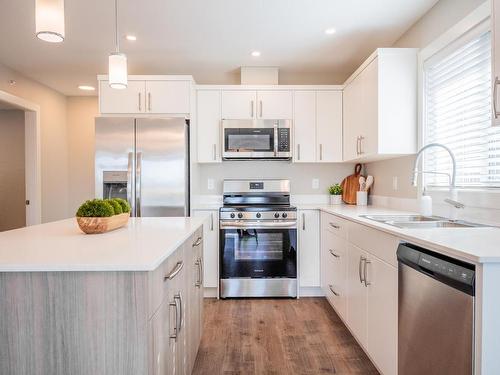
478 244
60 246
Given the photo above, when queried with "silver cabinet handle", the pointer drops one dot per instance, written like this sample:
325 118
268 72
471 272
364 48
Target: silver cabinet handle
211 221
361 144
260 109
365 273
333 291
130 182
149 101
298 151
334 225
138 183
334 254
198 242
251 108
303 221
175 271
495 90
175 333
202 276
320 151
198 281
180 320
215 151
357 145
140 102
362 260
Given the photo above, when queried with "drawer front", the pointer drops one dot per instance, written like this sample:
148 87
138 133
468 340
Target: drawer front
334 224
375 242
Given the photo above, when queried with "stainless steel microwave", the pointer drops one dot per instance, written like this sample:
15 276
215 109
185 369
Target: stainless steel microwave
256 139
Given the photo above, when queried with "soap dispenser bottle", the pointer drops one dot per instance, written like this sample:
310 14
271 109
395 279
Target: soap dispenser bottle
425 204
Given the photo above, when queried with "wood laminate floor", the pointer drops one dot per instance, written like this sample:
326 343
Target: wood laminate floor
277 336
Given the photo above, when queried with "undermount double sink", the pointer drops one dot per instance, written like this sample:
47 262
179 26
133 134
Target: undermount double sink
420 222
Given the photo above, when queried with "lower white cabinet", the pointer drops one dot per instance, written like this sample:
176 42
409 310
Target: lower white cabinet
308 248
211 247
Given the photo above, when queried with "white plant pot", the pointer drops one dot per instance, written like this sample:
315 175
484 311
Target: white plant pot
335 199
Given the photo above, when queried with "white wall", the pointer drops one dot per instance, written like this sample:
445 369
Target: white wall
435 22
12 170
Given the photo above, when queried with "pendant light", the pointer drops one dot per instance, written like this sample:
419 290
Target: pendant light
117 61
49 20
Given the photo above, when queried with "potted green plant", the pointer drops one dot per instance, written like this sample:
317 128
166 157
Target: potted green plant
335 194
102 215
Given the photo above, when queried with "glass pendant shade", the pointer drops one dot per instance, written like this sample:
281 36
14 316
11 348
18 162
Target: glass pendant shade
49 19
117 70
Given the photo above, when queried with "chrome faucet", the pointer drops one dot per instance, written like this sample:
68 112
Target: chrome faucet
416 172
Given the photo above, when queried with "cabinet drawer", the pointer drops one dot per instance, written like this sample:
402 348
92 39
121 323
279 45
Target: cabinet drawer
374 241
334 271
334 224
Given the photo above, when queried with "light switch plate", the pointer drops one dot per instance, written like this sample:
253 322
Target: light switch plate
395 186
315 183
210 184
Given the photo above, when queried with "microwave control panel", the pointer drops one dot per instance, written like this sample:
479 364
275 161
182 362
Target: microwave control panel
284 140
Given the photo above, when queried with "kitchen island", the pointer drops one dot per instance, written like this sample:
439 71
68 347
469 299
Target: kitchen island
124 302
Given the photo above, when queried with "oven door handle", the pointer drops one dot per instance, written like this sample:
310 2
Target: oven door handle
291 224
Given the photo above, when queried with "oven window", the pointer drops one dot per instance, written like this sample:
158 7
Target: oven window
251 142
258 253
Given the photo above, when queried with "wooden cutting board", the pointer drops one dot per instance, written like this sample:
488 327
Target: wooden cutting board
350 185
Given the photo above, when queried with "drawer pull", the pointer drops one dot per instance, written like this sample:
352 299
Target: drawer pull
334 254
333 291
198 242
175 271
334 225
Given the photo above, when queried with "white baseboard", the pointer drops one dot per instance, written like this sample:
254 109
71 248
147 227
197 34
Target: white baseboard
311 291
210 292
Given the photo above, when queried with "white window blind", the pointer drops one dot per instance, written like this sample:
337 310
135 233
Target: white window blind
457 113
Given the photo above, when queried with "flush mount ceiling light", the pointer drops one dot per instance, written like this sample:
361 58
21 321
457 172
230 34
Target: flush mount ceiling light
256 53
131 38
330 31
117 61
49 20
86 88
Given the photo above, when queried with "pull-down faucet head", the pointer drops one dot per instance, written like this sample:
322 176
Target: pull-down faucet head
416 172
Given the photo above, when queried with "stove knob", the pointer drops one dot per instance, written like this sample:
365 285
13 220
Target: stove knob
277 215
232 216
240 215
284 215
258 215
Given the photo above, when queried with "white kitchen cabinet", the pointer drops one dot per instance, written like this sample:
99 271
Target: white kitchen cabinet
275 105
210 248
168 96
208 108
495 27
380 106
304 127
239 104
308 248
356 294
129 100
382 314
329 126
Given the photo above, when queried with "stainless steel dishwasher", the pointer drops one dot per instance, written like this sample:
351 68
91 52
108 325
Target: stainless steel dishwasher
436 313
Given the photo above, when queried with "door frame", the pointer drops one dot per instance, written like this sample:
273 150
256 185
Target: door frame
32 152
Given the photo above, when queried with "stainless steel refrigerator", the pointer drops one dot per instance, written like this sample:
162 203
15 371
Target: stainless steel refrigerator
145 161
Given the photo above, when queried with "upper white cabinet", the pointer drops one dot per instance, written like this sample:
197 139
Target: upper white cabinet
380 106
147 95
249 104
317 126
208 108
309 252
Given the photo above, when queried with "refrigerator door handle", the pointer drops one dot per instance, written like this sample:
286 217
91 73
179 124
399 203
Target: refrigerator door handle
138 183
129 182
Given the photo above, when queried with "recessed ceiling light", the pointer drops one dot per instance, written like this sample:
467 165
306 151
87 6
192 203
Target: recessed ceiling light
132 38
330 31
86 88
256 53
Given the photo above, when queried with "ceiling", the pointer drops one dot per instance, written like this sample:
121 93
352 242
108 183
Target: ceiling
209 39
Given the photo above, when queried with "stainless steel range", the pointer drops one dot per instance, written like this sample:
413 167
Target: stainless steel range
258 240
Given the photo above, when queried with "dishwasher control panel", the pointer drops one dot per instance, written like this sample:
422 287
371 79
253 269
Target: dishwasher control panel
446 268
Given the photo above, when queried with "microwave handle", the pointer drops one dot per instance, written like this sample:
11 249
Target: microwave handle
275 139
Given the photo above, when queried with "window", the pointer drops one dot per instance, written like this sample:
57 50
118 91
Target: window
457 113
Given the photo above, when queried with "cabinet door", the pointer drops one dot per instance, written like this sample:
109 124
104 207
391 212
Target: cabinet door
495 26
356 294
162 360
129 100
352 119
275 105
211 248
208 104
382 316
304 127
369 124
329 126
239 104
168 96
308 248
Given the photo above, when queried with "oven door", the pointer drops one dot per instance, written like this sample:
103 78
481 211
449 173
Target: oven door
258 250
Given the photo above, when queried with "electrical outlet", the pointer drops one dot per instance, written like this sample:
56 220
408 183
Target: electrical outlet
315 183
210 184
395 186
